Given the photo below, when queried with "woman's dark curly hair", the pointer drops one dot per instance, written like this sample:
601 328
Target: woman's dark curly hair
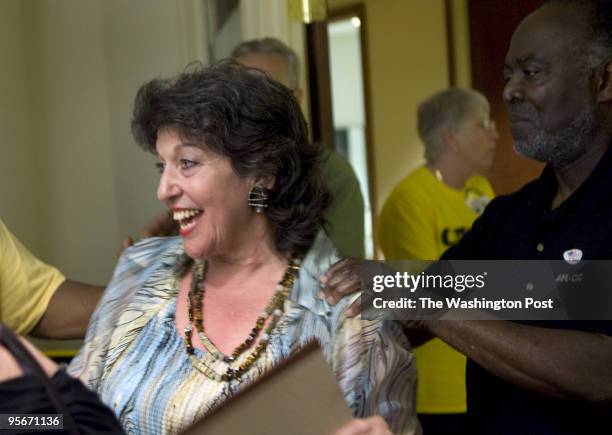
256 122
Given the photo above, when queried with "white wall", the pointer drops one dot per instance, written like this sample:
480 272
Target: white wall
19 208
70 106
346 75
144 39
78 183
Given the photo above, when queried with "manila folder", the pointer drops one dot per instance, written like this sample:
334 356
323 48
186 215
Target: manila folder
300 397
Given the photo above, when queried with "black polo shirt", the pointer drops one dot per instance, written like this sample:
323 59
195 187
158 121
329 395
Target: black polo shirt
522 226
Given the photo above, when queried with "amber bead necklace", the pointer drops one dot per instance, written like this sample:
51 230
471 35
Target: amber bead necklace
271 314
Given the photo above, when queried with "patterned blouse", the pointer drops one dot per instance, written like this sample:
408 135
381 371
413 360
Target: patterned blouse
135 359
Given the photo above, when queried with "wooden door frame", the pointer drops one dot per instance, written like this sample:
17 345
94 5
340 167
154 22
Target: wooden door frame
319 84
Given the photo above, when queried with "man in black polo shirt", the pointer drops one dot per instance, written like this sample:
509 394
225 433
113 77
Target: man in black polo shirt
547 377
551 377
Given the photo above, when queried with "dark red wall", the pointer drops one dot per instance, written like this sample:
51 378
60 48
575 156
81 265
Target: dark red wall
491 25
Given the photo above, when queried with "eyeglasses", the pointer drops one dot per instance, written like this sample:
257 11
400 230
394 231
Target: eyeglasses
488 124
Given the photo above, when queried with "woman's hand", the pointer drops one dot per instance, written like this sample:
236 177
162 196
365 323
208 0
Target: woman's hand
9 368
365 426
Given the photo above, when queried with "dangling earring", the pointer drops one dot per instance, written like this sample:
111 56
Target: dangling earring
258 198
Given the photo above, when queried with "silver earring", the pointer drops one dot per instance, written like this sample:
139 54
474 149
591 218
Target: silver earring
258 198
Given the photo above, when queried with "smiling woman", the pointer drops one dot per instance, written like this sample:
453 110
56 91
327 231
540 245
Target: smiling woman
189 321
194 185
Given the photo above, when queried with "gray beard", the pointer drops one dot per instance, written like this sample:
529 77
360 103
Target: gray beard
562 147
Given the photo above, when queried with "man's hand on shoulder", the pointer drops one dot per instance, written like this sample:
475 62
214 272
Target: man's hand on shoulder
342 279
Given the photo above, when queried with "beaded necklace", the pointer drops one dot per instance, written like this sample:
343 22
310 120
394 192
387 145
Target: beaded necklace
273 312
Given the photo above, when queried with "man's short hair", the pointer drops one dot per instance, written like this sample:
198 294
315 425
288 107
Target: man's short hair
599 14
446 109
272 46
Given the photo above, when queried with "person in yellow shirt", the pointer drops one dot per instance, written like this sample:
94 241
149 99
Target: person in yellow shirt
429 211
36 298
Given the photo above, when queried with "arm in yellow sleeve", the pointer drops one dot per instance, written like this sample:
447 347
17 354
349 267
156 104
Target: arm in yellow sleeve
36 298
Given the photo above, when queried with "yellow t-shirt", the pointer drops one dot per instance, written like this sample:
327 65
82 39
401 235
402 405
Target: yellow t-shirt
420 220
26 284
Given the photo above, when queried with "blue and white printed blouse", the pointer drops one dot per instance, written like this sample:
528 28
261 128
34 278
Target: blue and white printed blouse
135 359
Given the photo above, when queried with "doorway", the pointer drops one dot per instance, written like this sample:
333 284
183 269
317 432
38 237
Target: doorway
349 99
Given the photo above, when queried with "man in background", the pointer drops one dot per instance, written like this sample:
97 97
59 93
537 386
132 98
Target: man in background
428 212
346 213
547 377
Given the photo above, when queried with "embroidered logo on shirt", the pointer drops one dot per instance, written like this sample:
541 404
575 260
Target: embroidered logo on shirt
573 256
